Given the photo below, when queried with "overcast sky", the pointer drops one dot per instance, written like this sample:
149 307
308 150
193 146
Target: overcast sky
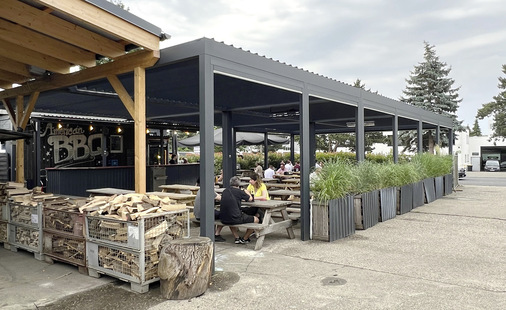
376 41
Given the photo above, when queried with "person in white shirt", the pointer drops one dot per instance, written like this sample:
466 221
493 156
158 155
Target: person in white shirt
289 166
269 172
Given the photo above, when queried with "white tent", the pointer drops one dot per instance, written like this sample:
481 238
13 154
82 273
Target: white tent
242 138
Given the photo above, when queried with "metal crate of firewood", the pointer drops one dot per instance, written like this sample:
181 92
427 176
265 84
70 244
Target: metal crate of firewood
139 268
129 250
65 248
3 212
63 219
3 231
26 238
25 228
135 234
27 215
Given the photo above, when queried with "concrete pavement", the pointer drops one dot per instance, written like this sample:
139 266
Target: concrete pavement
450 254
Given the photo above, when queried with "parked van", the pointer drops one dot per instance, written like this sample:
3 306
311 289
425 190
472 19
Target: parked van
492 165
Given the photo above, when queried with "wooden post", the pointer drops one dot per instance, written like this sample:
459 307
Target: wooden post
140 129
20 143
185 267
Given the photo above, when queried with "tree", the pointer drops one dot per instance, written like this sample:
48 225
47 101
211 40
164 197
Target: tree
497 108
476 131
430 88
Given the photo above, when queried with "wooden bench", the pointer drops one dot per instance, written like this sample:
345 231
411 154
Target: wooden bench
261 230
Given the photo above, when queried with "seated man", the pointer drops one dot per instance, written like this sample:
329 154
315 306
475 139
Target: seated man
196 212
231 212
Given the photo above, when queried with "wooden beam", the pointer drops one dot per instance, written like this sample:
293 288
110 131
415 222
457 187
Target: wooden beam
20 143
38 42
140 129
41 21
12 77
106 21
123 94
30 57
29 109
14 66
124 64
10 111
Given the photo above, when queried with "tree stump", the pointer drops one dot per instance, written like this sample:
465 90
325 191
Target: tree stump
185 267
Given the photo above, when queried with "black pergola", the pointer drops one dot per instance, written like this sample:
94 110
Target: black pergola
205 83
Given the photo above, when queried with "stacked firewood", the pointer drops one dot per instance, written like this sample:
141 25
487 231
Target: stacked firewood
129 207
12 189
27 237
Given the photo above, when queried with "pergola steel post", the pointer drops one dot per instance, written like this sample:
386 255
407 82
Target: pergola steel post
419 136
395 138
206 114
450 141
228 147
292 148
307 160
360 131
437 140
266 150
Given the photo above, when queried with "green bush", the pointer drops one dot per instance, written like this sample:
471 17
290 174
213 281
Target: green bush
333 180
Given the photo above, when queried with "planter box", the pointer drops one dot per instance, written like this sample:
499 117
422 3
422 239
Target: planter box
429 190
388 203
439 186
448 184
418 194
404 199
366 209
333 220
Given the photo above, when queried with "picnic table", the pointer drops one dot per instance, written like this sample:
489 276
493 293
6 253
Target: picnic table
284 194
109 191
179 188
268 224
187 199
288 186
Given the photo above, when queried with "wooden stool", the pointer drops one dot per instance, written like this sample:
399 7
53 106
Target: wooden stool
185 267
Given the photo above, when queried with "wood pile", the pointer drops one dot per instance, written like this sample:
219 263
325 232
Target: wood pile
11 189
27 237
128 263
3 231
69 249
129 207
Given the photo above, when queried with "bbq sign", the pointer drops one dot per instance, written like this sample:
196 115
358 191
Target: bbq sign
67 145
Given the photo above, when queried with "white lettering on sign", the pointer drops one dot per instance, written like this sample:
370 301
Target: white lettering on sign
71 143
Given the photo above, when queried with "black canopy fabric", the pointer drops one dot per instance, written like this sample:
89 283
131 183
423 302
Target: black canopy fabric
242 138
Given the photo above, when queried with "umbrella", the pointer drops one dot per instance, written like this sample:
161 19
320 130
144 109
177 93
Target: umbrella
242 138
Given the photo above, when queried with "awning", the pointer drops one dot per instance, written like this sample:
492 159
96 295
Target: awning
242 138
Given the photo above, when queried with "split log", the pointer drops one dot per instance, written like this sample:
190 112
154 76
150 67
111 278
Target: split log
185 267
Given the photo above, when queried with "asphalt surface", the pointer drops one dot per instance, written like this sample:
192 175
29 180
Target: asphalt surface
449 254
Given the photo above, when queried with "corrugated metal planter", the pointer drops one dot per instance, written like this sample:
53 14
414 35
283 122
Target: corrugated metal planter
418 196
388 203
366 208
448 184
429 190
333 220
404 198
439 183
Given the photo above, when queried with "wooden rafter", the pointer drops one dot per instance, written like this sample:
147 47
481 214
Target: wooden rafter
43 44
14 66
42 21
124 64
34 58
93 15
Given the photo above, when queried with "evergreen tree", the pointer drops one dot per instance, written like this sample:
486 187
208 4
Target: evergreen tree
497 108
430 88
476 131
